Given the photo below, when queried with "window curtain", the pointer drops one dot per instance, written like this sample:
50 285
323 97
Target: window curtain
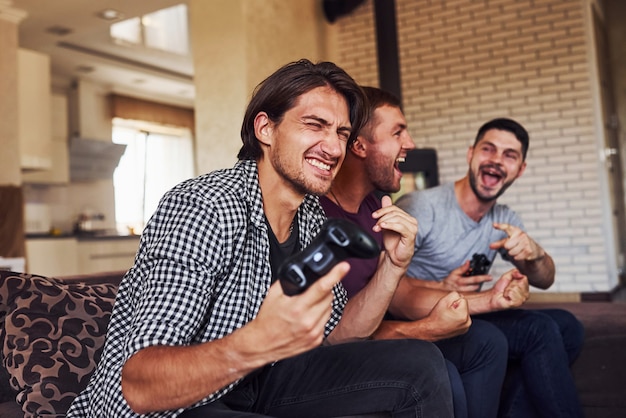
137 109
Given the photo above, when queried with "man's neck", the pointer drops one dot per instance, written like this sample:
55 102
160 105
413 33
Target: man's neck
348 191
469 202
280 202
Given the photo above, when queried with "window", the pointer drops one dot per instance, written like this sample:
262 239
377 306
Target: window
156 159
164 29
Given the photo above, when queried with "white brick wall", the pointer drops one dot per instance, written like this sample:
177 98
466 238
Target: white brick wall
464 62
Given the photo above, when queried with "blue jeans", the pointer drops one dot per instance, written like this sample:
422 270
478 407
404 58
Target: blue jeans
542 346
406 378
480 356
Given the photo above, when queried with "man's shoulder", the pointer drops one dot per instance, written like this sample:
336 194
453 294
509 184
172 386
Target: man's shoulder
236 182
423 197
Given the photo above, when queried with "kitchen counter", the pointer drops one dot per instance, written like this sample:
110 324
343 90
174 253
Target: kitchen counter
85 235
80 253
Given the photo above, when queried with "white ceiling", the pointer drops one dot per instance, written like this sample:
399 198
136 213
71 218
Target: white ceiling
88 53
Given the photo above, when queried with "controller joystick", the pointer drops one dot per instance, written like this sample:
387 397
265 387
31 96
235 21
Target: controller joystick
337 240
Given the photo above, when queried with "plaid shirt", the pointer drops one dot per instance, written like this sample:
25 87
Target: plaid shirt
202 271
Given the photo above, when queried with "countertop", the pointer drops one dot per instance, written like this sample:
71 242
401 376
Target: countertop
85 235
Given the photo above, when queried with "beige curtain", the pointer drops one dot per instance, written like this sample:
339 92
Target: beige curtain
137 109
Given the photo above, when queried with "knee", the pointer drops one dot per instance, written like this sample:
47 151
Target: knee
488 342
541 329
423 357
571 329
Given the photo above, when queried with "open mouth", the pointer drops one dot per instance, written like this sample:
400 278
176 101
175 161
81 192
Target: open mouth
399 160
491 176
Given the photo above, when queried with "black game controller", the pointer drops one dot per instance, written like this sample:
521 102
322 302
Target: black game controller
337 240
478 265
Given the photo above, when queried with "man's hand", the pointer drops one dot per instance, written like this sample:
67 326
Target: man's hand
399 230
290 325
518 245
510 291
526 255
457 280
449 317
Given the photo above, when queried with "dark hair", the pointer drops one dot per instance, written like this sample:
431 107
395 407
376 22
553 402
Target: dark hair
377 98
279 92
504 124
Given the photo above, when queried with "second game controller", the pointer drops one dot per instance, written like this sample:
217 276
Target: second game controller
337 240
479 264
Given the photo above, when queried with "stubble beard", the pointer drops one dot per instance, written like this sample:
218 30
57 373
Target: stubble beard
382 176
297 179
482 197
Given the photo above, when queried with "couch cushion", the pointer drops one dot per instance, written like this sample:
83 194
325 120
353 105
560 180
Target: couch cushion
52 338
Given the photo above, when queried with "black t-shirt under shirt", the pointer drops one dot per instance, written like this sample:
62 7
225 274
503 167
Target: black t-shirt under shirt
280 251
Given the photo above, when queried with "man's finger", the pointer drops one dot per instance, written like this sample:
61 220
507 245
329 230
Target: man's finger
498 244
509 229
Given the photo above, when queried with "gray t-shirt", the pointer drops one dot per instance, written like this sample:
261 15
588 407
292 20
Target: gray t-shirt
446 236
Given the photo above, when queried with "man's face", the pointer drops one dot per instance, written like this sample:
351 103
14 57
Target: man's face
494 164
388 144
309 144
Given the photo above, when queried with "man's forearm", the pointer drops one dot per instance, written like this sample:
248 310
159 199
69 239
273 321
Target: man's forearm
394 330
364 311
540 272
167 377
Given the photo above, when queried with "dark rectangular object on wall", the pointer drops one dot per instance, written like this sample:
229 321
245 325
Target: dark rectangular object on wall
422 162
387 45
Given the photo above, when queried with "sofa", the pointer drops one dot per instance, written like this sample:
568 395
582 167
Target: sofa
52 331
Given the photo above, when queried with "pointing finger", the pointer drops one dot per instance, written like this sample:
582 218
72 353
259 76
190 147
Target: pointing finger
509 229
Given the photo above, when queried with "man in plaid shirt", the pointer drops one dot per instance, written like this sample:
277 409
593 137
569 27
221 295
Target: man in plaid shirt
200 328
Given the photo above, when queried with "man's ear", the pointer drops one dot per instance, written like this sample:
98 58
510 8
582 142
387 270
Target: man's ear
263 128
359 147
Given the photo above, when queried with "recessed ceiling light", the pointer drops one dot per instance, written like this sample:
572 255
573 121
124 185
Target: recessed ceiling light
109 14
59 30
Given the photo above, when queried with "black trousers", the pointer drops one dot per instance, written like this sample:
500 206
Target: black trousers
404 378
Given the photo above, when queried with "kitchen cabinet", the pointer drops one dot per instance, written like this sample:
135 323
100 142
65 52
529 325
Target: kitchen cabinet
71 256
100 255
52 256
59 170
34 121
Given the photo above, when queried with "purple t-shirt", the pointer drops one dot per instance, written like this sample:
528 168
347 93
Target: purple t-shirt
361 270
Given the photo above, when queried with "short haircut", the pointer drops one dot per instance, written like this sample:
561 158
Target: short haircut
509 125
377 98
280 91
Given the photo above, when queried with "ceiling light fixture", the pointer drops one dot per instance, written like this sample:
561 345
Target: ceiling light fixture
109 14
59 30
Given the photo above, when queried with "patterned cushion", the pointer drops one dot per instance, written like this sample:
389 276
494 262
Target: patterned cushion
52 338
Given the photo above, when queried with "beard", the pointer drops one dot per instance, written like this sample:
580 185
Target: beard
298 180
487 198
382 174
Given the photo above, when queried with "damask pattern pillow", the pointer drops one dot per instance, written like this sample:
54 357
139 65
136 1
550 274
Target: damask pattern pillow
52 338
